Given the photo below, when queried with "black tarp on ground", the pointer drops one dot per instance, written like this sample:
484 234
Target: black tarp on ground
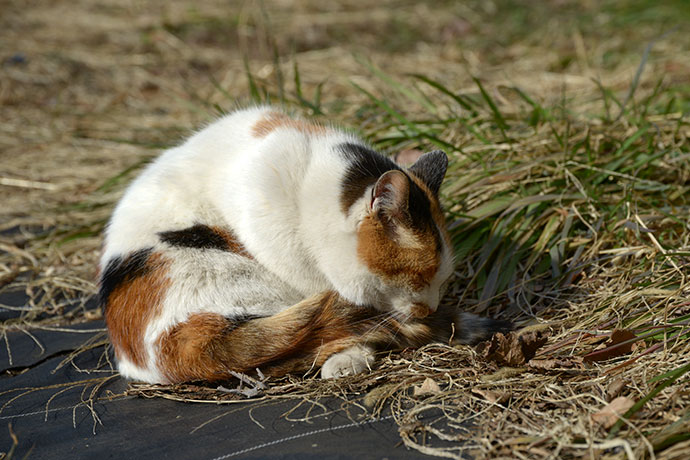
42 389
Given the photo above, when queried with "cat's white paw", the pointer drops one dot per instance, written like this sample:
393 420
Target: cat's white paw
348 362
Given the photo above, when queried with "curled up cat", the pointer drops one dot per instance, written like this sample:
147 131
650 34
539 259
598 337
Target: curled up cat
266 241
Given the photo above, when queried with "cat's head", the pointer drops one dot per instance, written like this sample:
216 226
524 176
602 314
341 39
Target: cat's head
403 239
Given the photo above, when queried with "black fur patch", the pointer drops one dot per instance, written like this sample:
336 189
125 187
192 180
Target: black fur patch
198 236
473 329
420 208
431 168
121 270
366 166
240 320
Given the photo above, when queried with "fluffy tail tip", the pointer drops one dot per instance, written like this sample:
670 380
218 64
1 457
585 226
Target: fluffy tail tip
473 329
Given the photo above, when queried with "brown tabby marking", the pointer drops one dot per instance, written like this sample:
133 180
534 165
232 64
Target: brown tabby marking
303 337
419 310
207 346
132 305
275 120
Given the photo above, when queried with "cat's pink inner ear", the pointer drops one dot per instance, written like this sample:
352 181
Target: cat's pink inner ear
391 193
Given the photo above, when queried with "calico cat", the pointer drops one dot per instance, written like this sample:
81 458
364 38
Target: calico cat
265 241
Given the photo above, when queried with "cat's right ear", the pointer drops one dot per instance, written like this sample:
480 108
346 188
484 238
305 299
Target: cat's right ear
390 195
431 168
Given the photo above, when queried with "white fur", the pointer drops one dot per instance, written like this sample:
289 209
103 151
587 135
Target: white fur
280 196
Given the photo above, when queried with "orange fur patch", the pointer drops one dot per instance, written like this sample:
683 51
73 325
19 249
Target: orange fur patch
185 352
302 337
275 120
207 346
233 243
413 267
132 305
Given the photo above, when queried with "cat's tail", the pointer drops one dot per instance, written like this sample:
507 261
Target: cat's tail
471 329
208 346
448 325
301 338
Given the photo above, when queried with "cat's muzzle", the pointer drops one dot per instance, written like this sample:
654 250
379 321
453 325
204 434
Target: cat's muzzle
420 310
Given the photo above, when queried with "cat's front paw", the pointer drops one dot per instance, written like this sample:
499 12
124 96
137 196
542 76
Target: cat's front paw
348 362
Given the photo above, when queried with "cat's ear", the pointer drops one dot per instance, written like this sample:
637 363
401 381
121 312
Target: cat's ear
431 168
390 195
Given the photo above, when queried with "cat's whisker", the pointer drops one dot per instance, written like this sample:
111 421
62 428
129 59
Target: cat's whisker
402 318
387 320
369 319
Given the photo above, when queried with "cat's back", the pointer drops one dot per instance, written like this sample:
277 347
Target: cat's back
254 172
235 151
179 188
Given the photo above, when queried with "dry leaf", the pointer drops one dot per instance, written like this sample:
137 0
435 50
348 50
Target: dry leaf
616 346
377 394
428 387
615 388
543 364
609 415
491 396
621 335
512 349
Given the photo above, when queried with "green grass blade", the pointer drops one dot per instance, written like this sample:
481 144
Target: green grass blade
462 102
394 84
119 177
407 123
498 117
253 88
670 377
618 156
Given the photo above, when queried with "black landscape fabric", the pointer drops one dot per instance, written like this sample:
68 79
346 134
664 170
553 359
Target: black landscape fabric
52 402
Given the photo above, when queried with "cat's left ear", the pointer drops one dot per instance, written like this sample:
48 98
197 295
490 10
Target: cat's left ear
390 194
431 168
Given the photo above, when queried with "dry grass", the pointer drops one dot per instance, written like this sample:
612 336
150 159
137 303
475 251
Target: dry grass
566 195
